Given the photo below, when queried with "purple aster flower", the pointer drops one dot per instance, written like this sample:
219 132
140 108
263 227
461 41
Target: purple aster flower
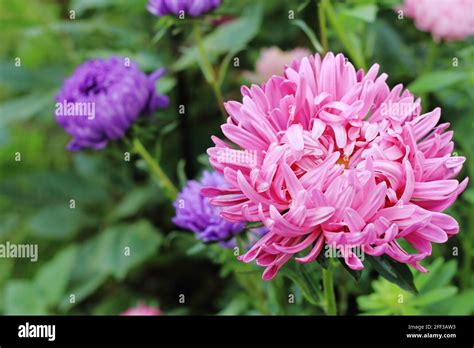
193 211
193 8
102 98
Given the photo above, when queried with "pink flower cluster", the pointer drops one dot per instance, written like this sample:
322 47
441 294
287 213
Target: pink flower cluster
342 160
142 309
272 61
445 19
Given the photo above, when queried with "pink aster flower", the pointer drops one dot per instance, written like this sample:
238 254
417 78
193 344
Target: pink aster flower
272 61
142 310
341 160
445 19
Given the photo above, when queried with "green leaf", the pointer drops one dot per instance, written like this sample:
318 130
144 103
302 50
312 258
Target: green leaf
350 42
463 303
225 64
105 255
226 37
367 13
392 51
82 6
165 84
6 268
354 274
25 107
56 222
197 248
468 195
436 81
305 279
53 277
395 272
169 128
164 24
22 297
302 5
430 277
26 80
438 276
435 295
141 240
131 203
82 290
39 189
237 306
309 33
8 224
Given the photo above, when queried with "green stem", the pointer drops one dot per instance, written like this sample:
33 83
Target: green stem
354 53
343 294
322 27
208 70
431 56
170 190
427 67
328 285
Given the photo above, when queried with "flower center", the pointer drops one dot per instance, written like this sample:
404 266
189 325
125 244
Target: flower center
344 160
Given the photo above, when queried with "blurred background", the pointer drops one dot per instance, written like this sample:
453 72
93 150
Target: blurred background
80 268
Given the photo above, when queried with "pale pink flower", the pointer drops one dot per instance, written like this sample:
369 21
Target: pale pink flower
445 19
341 159
142 310
272 61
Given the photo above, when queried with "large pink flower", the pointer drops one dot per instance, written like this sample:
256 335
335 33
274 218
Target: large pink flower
445 19
331 155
